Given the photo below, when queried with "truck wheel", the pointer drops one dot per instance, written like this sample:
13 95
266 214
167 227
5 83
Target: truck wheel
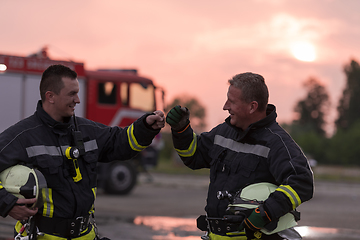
122 177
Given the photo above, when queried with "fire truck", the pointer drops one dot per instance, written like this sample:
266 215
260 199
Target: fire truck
115 97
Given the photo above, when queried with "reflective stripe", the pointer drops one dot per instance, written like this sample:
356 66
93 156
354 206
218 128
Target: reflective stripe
92 210
230 236
43 150
291 194
55 151
258 150
90 145
191 150
48 210
132 140
94 192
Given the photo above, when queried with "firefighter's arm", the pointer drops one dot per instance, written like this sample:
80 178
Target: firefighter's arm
192 148
140 134
296 184
20 211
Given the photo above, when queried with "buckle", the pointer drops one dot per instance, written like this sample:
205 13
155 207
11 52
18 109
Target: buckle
78 225
83 223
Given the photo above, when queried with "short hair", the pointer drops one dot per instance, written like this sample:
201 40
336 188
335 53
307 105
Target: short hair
51 79
253 88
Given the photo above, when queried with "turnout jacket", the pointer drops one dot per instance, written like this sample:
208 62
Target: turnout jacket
264 152
40 142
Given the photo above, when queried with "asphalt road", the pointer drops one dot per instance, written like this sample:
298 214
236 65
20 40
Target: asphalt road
166 209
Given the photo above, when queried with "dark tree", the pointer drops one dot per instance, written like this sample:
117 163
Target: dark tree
349 104
313 108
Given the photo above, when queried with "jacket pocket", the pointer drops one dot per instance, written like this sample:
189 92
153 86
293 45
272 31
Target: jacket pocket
51 168
218 164
248 164
90 161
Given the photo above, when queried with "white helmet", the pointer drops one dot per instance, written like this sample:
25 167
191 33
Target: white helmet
251 196
24 182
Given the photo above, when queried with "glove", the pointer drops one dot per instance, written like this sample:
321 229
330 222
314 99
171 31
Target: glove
257 219
178 118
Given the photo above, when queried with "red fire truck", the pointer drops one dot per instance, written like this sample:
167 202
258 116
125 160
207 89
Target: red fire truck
109 96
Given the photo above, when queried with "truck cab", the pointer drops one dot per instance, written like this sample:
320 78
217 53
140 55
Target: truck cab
118 98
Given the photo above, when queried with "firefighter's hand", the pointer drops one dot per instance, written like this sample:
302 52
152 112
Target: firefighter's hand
178 118
20 211
156 120
256 220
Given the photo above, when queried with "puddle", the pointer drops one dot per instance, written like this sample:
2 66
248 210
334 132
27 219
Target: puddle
327 233
170 228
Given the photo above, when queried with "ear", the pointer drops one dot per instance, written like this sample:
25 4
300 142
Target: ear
49 96
253 106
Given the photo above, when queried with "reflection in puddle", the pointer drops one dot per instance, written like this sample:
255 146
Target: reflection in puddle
172 228
316 231
327 233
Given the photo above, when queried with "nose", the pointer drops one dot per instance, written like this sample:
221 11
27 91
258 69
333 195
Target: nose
77 99
226 106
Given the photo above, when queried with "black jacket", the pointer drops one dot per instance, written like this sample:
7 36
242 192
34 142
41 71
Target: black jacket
264 152
40 142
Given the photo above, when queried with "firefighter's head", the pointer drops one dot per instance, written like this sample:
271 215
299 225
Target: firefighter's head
59 89
247 99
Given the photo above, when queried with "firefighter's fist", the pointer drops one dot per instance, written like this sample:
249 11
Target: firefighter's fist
156 120
178 118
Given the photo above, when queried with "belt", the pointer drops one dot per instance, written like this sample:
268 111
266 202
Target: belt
222 226
229 223
63 227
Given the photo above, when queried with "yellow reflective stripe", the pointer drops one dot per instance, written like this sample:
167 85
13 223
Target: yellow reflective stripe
18 227
132 140
1 186
230 236
291 194
92 210
94 192
48 210
191 150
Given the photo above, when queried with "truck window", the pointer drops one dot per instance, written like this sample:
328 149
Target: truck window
142 97
107 93
124 88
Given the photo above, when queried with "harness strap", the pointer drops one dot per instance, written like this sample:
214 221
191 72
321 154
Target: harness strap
227 224
62 227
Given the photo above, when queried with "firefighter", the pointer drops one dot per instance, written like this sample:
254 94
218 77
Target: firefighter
249 147
66 149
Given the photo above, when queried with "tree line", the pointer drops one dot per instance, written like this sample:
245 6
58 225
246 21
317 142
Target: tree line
309 128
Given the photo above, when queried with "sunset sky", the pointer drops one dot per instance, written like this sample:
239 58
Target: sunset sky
194 46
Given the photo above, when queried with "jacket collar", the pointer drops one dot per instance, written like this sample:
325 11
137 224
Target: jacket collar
270 118
49 121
